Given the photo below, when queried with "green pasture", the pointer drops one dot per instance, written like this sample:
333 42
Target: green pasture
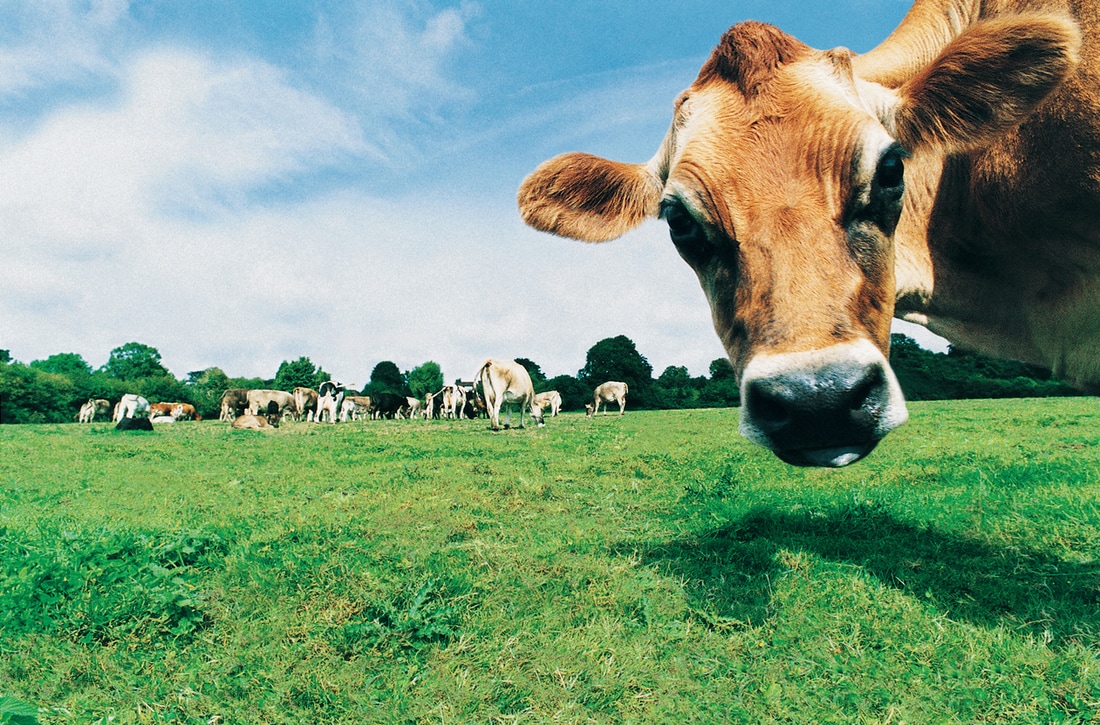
654 568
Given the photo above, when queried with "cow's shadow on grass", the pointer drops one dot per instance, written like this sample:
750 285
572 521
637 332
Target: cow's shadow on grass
728 572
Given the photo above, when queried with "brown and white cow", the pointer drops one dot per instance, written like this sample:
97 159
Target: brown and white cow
506 383
951 176
549 399
185 411
161 410
607 393
453 402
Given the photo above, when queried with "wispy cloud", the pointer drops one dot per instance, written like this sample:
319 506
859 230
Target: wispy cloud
47 42
395 65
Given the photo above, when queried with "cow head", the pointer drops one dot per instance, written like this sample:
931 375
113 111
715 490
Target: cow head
783 183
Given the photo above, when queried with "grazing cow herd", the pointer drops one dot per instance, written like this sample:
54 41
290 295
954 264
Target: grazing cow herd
500 385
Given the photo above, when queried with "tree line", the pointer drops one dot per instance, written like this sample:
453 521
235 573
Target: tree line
52 390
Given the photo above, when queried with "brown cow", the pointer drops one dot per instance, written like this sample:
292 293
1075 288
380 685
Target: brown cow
234 403
305 403
949 175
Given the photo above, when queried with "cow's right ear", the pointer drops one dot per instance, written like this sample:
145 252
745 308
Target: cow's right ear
589 198
985 81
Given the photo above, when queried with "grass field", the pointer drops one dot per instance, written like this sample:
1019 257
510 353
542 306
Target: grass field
654 568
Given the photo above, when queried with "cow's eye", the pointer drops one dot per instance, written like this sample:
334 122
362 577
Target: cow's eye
890 173
687 233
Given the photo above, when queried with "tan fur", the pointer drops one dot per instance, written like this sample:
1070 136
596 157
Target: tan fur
251 422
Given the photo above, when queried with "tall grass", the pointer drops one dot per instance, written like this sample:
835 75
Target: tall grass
653 568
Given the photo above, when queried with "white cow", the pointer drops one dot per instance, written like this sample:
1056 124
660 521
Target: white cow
131 406
550 398
330 398
507 383
609 392
413 408
87 412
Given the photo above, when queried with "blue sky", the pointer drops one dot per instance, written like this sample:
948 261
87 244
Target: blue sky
240 183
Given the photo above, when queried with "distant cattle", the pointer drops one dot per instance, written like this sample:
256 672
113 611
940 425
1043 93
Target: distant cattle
356 407
609 392
432 403
454 400
551 399
506 383
185 411
87 412
94 408
387 405
330 397
234 403
269 419
412 407
130 423
102 408
160 410
305 403
131 406
258 401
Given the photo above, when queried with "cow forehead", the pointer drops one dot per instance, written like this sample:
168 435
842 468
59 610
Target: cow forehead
807 136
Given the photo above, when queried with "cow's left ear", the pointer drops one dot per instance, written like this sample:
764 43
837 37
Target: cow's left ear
985 81
589 198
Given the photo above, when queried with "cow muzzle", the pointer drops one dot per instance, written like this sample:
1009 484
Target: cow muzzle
827 407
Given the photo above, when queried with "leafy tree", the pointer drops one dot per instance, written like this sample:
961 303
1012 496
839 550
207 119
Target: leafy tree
533 369
386 378
162 389
426 378
300 373
64 363
721 369
927 375
675 388
134 361
617 358
28 395
251 383
721 390
206 388
574 393
5 356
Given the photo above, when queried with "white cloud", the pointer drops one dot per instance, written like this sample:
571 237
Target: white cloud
55 41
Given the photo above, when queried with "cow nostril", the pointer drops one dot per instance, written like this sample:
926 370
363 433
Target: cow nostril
769 410
862 393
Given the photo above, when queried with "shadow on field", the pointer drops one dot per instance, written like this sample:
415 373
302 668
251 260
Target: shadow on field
728 571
